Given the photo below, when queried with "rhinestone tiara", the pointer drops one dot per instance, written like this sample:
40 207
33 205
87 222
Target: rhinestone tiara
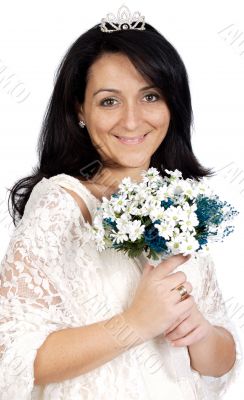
125 20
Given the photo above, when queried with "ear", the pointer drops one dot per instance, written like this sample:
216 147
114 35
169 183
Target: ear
79 110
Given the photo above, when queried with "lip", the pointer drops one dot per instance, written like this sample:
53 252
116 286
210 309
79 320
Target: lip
132 141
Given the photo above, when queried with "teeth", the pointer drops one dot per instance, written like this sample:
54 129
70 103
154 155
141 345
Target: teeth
136 140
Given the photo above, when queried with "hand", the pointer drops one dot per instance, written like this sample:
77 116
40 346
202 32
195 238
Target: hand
192 327
156 305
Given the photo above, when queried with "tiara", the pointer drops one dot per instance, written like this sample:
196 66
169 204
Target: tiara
125 20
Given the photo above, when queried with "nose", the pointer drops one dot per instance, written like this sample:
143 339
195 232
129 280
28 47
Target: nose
131 117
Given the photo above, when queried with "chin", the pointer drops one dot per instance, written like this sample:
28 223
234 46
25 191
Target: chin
133 163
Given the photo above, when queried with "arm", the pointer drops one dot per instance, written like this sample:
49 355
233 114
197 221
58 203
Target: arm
215 355
71 352
211 338
30 305
211 348
37 330
222 345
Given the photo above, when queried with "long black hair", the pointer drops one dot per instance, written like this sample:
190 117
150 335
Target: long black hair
64 147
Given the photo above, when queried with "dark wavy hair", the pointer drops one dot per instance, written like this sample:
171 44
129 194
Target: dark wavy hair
63 147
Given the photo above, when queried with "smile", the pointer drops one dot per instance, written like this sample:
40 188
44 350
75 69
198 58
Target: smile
135 140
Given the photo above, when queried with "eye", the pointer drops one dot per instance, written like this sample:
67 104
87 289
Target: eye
107 102
150 95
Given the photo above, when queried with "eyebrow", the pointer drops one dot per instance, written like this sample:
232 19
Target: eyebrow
118 91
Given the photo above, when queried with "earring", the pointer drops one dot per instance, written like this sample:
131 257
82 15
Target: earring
82 124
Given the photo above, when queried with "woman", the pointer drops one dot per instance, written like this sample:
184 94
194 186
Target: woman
78 324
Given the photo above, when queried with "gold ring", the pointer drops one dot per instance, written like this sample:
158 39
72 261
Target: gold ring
183 292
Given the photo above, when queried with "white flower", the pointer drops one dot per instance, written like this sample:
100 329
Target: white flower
100 244
189 245
187 226
151 177
135 230
174 213
96 233
182 188
190 190
126 185
164 192
178 189
174 245
200 187
150 204
182 243
189 208
119 237
126 182
165 230
157 213
132 209
188 218
119 203
107 209
189 223
123 222
151 173
98 221
174 174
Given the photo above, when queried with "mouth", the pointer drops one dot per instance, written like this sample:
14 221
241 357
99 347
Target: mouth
134 140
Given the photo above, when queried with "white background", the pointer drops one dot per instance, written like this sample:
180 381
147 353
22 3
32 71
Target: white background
34 37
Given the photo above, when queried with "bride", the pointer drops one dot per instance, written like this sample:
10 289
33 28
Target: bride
79 324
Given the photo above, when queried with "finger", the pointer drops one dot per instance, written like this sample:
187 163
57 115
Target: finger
167 266
147 268
176 293
189 339
177 322
181 330
185 305
176 279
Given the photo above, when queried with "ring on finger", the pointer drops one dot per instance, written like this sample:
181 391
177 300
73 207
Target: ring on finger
183 292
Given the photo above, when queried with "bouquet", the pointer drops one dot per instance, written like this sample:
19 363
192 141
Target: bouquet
161 216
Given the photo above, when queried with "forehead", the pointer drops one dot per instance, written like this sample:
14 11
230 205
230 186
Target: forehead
114 68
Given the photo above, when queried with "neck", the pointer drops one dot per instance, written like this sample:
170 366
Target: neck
111 178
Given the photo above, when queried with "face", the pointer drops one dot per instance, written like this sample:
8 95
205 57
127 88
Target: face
124 114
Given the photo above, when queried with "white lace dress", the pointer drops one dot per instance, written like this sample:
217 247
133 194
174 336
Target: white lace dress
53 278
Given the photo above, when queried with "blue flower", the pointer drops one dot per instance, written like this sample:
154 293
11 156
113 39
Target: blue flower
202 239
209 210
167 204
110 222
153 240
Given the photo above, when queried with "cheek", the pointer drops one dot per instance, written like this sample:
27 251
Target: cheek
101 123
97 126
162 125
160 118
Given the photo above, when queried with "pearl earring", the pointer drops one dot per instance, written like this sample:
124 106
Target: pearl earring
82 124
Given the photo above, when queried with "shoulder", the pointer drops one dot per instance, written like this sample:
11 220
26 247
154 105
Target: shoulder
49 199
52 221
81 204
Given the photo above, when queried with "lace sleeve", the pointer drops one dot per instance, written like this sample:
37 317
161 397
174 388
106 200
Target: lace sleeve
213 307
31 307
